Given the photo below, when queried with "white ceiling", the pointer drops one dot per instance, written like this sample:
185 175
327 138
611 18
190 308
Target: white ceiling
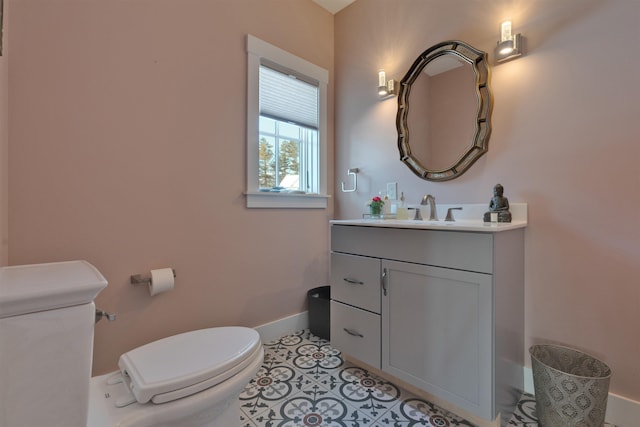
334 6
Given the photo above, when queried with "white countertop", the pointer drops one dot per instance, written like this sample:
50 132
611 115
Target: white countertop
468 219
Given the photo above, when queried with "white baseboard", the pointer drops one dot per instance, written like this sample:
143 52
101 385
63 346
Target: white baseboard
281 327
528 380
621 412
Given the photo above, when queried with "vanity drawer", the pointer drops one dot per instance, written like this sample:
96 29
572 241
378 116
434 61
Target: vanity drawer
356 332
450 249
355 280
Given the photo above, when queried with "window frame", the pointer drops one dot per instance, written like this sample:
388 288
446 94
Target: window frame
258 51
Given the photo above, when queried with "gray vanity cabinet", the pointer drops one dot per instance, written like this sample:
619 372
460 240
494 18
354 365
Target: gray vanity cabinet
450 319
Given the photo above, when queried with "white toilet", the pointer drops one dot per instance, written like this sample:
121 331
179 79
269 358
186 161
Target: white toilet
47 316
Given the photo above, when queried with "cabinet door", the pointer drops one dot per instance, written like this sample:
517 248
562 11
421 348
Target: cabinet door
355 280
356 332
437 332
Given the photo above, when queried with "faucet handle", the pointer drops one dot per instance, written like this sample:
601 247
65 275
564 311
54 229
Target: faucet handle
450 217
418 216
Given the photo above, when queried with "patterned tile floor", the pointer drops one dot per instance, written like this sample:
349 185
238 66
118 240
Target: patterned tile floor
305 382
525 415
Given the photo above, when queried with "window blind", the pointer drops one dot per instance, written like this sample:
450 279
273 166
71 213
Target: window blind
288 98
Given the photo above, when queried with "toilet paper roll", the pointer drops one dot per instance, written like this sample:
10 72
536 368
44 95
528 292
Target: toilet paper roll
162 280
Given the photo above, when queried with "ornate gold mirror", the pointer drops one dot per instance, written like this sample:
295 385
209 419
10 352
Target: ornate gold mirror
450 116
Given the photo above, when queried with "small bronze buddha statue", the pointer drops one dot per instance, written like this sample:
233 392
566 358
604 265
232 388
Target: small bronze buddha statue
499 206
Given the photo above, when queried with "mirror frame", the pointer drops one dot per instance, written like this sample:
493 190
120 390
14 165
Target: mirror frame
480 142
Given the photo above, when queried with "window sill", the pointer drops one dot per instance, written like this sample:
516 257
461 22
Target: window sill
285 200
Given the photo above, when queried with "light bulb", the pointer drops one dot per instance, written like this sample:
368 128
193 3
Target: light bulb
382 83
505 31
382 78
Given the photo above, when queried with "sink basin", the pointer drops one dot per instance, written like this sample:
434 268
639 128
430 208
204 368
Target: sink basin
438 223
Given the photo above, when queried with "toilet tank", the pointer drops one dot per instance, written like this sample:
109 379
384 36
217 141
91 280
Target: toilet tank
47 316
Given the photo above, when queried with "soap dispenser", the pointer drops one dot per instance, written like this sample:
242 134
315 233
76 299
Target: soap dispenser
402 211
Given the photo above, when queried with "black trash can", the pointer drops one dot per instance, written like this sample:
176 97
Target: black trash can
319 312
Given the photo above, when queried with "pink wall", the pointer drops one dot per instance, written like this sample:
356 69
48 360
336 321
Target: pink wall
565 140
127 146
4 148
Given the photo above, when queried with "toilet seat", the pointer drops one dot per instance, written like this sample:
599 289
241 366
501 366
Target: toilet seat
187 363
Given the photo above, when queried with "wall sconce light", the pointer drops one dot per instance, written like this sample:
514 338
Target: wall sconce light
386 88
510 45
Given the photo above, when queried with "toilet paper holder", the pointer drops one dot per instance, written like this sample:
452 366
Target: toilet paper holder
138 279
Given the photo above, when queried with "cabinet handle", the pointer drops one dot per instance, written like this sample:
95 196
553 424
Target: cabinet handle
353 281
354 333
384 281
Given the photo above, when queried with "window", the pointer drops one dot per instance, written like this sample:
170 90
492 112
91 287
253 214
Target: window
286 129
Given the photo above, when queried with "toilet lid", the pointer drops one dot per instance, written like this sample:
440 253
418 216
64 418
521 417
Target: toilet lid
187 363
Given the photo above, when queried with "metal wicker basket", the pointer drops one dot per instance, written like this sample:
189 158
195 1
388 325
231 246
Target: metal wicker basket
571 387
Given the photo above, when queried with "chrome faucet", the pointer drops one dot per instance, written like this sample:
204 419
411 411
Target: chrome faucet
428 198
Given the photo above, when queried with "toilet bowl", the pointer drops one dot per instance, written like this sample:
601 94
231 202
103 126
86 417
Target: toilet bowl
191 379
47 315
